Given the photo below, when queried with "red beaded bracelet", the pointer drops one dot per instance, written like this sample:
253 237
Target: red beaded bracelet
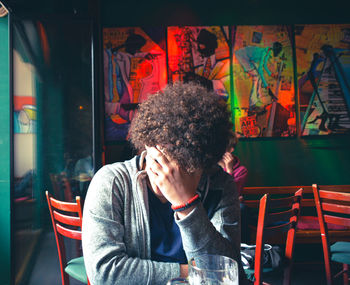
193 201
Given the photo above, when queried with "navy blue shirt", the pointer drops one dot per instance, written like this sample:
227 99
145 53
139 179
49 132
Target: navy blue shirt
166 242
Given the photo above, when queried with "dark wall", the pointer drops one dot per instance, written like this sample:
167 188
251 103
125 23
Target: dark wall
221 12
273 161
297 161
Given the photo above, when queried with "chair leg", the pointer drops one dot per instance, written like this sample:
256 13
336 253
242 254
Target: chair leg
346 274
287 275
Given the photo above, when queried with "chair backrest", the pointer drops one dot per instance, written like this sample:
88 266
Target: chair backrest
277 217
66 220
332 207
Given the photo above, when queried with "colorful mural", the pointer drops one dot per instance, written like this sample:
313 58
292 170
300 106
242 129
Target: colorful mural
200 54
323 66
141 61
134 67
264 96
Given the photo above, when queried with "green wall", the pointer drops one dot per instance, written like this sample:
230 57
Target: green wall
297 161
273 161
5 169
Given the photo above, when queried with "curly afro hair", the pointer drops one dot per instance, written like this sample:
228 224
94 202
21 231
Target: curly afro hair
191 124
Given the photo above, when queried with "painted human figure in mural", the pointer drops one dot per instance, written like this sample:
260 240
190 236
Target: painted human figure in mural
213 73
121 61
254 61
307 86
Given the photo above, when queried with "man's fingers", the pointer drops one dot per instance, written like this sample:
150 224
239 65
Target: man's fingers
157 155
159 158
152 164
151 172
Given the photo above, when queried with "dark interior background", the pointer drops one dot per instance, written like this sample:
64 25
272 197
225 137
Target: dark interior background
74 30
275 161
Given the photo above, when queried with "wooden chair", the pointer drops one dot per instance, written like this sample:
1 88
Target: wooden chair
333 208
66 220
276 217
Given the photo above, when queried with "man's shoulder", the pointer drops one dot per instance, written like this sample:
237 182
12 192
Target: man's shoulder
128 167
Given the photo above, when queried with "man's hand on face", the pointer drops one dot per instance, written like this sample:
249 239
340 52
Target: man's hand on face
168 179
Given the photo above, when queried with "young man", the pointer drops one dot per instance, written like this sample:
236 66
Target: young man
144 218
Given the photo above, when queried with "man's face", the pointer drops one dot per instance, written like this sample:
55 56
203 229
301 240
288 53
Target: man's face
204 50
153 185
132 48
156 190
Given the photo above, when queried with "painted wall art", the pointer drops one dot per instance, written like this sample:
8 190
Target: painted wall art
323 66
134 68
201 54
264 95
251 67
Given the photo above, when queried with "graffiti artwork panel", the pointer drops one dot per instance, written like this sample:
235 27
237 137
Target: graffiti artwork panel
134 68
200 54
323 66
264 95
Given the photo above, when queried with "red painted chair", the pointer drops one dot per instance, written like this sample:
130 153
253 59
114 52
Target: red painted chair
276 217
66 220
333 207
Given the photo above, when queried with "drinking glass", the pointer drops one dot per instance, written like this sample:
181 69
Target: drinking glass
212 269
177 281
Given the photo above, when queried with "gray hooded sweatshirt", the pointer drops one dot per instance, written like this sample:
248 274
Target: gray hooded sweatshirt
116 235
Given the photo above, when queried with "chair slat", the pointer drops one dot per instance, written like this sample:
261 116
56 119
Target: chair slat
307 203
274 190
280 217
337 220
336 208
278 229
255 203
251 203
281 202
334 195
68 220
64 206
74 234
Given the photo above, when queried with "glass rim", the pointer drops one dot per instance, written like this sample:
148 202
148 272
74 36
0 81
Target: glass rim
213 270
180 279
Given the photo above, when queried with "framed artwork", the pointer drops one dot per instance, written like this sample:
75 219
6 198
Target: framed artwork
134 67
258 60
264 95
323 67
201 54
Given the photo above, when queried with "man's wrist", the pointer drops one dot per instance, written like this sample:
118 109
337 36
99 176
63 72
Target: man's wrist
183 214
183 270
184 206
